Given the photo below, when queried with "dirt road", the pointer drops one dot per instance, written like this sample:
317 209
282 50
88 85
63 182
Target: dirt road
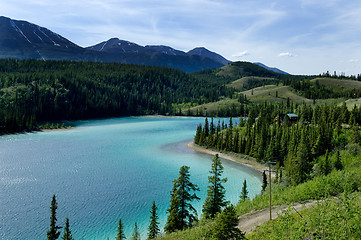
250 221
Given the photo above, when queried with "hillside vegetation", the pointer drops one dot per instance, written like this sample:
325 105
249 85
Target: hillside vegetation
316 159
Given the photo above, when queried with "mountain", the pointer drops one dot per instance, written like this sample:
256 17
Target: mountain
276 70
201 51
23 40
115 45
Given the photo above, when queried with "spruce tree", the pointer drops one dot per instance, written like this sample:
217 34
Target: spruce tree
136 234
215 200
264 181
225 227
338 163
244 192
173 220
53 232
120 231
198 135
153 229
181 212
67 233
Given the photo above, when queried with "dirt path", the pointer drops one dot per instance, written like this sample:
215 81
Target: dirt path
248 222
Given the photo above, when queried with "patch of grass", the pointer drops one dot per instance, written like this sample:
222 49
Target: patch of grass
239 83
215 107
329 219
273 93
350 103
338 84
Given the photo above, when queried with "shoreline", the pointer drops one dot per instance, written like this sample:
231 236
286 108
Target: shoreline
257 167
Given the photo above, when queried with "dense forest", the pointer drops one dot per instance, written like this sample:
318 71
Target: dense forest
34 92
294 147
40 91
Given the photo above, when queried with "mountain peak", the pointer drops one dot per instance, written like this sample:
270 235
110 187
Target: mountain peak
203 52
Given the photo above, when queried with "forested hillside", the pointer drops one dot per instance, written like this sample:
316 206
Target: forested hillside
36 91
317 157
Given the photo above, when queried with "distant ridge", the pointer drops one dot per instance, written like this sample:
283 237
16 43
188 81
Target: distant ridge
23 40
276 70
115 45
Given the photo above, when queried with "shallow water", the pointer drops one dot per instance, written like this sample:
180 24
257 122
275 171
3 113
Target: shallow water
100 171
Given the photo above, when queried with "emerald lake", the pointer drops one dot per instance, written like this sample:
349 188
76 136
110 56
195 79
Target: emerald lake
100 171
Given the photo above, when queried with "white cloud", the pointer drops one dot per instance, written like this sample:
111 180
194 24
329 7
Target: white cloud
286 54
241 54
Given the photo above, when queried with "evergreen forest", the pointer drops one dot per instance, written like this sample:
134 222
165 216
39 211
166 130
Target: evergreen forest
32 92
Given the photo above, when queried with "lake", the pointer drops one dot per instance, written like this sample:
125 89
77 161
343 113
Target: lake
101 171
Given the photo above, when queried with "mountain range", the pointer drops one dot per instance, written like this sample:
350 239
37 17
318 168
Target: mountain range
23 40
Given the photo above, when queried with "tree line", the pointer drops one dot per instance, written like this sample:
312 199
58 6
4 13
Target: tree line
181 213
34 91
296 148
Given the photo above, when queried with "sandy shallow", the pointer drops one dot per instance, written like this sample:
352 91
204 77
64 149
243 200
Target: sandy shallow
237 158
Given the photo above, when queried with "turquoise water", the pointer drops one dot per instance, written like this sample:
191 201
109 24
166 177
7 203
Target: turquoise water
100 171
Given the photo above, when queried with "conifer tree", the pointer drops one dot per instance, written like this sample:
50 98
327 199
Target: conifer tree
215 200
67 233
325 165
173 220
226 225
120 231
181 212
136 234
303 160
244 192
264 181
153 229
198 135
53 232
338 164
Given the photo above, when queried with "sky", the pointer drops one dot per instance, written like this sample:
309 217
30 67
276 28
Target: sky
297 36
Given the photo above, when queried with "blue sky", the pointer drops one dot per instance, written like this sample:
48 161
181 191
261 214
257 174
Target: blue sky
297 36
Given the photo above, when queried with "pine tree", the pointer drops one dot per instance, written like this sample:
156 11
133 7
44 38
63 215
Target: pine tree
181 213
264 181
120 231
198 135
338 163
153 229
244 192
136 234
303 160
215 200
67 233
226 225
53 232
325 165
173 220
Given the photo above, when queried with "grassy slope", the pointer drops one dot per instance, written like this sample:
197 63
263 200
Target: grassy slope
215 106
338 84
268 93
239 83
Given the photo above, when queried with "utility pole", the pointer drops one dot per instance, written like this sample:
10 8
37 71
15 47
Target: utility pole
270 187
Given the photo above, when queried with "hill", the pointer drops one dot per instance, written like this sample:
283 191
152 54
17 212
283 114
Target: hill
337 83
245 82
273 93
